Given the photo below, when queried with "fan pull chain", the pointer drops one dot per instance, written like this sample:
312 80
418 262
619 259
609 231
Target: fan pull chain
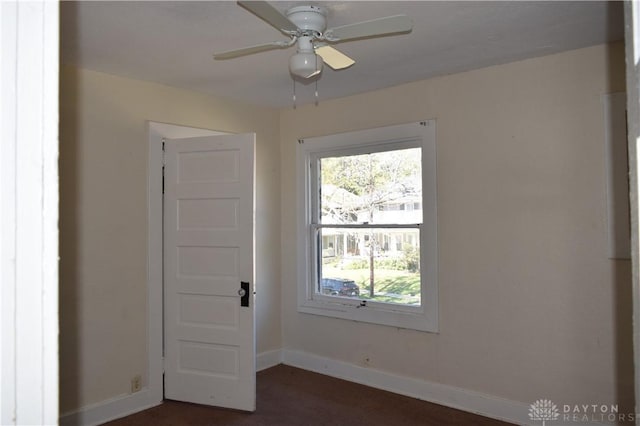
294 94
316 80
317 100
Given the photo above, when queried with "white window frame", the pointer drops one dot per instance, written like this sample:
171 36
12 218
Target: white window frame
421 134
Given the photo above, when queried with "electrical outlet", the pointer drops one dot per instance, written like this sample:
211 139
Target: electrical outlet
136 383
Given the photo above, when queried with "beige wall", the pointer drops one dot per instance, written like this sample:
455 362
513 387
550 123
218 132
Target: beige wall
103 215
530 306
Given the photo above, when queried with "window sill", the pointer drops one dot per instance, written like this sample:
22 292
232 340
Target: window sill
370 314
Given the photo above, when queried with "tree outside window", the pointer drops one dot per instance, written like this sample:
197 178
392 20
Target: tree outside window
378 190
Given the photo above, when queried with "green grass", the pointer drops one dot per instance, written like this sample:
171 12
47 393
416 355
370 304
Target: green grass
390 285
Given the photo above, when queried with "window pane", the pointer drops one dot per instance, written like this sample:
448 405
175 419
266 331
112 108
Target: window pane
379 264
377 188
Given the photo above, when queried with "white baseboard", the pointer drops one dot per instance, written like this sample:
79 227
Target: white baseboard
268 359
449 396
110 409
128 404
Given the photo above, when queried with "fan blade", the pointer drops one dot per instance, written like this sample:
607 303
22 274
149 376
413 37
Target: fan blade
373 28
252 49
334 58
269 14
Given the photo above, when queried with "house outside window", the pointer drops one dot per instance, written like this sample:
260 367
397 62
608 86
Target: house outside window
367 226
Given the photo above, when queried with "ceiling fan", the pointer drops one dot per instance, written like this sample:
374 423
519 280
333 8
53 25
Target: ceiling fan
306 27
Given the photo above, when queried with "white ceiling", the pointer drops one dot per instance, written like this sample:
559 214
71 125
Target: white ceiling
172 42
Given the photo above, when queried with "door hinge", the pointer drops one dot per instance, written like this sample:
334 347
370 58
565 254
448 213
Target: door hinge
164 161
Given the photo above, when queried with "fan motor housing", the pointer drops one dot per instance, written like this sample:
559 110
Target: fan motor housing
309 18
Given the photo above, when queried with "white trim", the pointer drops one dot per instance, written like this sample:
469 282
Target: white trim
156 132
617 171
111 409
268 359
29 211
449 396
417 134
632 54
127 404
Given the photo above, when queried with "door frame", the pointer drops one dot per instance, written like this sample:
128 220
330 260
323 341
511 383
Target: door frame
632 55
29 199
156 132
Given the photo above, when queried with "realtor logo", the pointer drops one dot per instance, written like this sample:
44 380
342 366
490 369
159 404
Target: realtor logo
543 409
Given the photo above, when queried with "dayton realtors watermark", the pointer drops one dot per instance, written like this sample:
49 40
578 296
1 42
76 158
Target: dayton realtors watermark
545 410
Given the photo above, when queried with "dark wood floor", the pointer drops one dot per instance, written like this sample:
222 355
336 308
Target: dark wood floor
288 396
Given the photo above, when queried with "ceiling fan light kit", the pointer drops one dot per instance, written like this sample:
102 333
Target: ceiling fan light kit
306 26
305 63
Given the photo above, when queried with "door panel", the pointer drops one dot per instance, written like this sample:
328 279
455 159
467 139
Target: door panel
208 251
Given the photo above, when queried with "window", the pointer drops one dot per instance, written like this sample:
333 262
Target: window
367 227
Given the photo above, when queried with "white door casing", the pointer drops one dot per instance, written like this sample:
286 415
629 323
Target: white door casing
208 251
632 54
29 80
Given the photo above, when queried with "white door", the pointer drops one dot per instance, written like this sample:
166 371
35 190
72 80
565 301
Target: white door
209 337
